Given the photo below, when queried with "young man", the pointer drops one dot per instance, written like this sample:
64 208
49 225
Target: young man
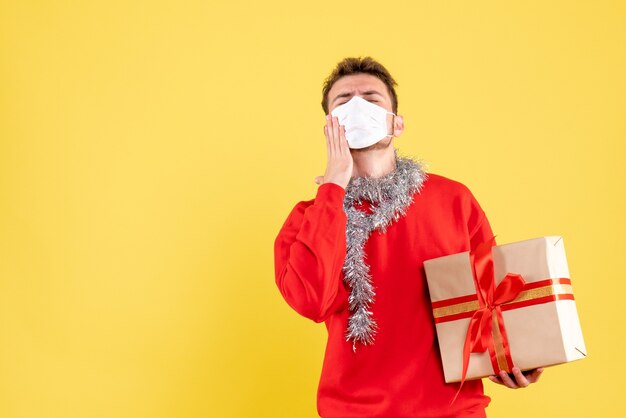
353 258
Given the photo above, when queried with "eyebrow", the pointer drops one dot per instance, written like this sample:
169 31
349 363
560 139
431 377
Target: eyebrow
365 93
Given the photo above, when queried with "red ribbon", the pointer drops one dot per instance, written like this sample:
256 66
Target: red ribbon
480 333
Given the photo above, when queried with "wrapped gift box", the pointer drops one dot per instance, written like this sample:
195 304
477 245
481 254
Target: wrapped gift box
539 326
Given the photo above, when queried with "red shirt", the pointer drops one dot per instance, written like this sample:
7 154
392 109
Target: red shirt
400 374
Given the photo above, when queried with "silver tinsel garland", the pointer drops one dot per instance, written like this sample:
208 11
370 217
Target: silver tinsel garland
389 197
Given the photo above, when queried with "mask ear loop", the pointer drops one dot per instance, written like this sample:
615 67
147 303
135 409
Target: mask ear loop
393 123
391 136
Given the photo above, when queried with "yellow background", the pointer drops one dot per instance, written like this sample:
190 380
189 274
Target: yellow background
151 150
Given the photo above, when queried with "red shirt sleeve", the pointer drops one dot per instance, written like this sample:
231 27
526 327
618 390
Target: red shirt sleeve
478 225
309 253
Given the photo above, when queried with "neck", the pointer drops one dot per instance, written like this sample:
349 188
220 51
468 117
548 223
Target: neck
373 163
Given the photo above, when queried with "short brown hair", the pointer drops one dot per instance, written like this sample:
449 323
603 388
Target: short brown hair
366 65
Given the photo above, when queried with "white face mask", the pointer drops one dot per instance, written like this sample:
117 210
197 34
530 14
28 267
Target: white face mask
365 122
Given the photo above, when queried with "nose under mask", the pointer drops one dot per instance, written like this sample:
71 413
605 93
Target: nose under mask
365 122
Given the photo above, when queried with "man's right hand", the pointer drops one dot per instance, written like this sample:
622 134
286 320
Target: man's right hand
340 164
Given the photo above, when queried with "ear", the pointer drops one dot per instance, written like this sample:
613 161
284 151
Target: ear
398 125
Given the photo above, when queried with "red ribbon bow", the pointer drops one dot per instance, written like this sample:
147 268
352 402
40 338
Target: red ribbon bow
486 328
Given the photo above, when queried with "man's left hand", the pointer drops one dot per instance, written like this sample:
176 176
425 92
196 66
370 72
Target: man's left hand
521 379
